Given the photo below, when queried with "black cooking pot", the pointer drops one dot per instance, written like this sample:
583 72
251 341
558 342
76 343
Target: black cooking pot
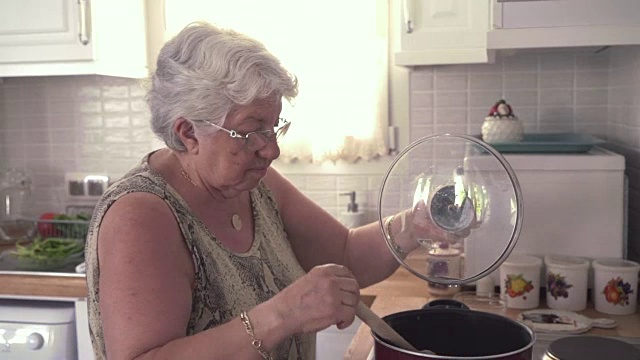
452 331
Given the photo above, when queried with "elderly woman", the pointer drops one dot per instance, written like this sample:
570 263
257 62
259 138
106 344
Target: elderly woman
204 251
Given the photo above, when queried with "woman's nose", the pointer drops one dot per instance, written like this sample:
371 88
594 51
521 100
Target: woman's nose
270 151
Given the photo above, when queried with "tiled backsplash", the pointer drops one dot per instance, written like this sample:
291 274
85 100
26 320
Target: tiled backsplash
53 125
549 92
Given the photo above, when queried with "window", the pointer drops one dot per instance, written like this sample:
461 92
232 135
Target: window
337 49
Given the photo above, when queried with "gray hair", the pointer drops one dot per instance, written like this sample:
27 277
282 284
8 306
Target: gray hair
205 72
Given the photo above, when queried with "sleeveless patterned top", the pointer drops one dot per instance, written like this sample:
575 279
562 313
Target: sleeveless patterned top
226 283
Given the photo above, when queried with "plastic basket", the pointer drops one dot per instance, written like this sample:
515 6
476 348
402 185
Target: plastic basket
70 229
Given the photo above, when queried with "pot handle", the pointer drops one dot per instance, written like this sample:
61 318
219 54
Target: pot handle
604 323
445 304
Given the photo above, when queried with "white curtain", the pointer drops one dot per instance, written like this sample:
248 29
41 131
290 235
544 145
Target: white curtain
336 48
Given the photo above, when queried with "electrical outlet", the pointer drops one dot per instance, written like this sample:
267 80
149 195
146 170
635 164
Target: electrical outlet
86 185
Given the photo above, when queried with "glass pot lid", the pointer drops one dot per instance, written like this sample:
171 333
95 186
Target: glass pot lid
446 196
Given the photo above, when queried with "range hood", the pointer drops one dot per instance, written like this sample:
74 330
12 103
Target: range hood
519 24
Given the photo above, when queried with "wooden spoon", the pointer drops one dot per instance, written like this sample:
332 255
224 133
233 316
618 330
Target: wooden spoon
383 329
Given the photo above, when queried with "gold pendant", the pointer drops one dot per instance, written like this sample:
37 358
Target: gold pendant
236 222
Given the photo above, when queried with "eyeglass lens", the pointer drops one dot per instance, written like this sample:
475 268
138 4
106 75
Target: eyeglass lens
257 140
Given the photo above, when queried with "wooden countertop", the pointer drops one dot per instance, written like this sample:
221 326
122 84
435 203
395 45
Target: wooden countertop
404 291
41 284
37 285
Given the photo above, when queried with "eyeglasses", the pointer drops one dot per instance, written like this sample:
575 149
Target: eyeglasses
256 140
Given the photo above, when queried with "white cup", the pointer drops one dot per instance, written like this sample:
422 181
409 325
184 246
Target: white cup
520 281
566 282
615 289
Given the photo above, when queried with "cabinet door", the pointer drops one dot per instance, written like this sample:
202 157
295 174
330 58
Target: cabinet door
44 30
449 30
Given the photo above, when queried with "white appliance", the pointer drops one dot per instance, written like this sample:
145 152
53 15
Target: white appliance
574 204
37 330
332 343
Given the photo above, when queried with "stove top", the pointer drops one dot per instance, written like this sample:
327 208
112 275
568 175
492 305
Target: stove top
544 340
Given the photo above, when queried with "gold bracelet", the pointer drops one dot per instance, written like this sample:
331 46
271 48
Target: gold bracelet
257 344
395 246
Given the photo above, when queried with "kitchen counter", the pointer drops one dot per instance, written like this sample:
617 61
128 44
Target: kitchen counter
34 284
404 291
27 284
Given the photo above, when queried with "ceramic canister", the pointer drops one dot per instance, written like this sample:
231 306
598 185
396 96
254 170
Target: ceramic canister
444 261
520 281
566 282
615 289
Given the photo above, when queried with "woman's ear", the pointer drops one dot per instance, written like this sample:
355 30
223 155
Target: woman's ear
186 132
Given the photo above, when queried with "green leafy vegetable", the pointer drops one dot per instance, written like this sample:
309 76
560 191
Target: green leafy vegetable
49 249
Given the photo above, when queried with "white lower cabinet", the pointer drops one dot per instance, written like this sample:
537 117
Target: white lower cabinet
331 343
85 350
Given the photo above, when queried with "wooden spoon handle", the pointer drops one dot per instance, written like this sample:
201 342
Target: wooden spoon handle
381 328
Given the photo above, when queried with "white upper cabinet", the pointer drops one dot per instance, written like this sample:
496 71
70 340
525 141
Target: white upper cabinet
428 32
442 31
32 30
552 23
73 37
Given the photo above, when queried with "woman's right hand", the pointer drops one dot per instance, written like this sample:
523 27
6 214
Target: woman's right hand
326 295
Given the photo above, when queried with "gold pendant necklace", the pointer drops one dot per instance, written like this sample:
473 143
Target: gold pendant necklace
236 221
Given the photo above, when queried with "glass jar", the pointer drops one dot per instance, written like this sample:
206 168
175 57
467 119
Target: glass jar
15 207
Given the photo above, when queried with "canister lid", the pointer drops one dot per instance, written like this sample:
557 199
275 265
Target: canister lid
444 249
521 260
450 193
591 348
616 265
566 262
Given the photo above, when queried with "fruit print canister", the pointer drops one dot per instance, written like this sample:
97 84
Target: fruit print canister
615 289
566 282
520 281
444 260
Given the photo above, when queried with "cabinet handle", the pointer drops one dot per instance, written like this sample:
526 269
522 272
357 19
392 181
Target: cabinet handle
407 16
84 34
